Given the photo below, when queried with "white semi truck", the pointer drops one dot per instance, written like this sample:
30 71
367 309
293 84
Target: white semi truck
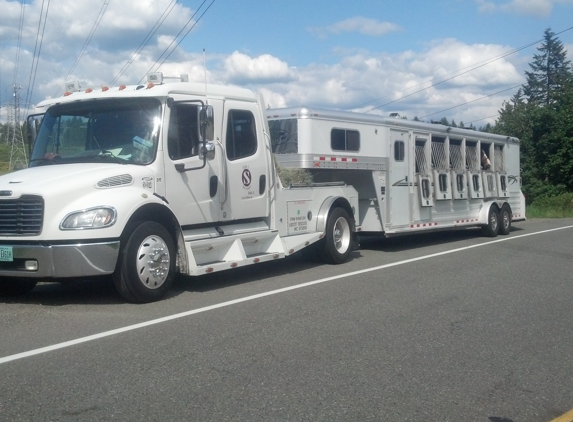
411 176
143 182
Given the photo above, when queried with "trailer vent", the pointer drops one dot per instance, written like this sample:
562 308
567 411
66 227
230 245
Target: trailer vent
112 182
21 217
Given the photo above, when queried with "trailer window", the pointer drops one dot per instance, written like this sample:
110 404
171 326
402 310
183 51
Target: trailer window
425 188
344 140
490 184
284 136
460 182
399 150
503 182
475 181
421 162
241 134
183 133
443 181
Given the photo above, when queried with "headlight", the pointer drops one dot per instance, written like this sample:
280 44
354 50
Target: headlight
93 218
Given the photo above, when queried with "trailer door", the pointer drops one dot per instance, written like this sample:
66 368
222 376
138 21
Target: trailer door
400 182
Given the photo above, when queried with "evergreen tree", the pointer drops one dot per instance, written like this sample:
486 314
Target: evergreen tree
550 72
541 116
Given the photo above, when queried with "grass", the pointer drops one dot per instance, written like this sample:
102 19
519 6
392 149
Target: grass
4 158
558 206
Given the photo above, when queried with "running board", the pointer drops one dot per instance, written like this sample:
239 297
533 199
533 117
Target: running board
226 252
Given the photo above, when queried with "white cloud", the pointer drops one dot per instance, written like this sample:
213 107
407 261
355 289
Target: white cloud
120 32
356 79
241 68
362 25
539 8
403 82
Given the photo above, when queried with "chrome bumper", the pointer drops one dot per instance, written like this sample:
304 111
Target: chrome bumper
60 261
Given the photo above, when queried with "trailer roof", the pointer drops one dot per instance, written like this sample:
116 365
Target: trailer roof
373 119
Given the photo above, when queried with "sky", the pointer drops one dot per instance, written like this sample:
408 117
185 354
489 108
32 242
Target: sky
459 59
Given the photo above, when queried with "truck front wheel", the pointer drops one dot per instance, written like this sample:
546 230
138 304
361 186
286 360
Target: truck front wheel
146 265
338 237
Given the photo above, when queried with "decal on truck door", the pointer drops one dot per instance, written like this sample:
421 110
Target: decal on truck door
246 178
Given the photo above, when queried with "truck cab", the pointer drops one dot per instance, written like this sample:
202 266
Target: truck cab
146 181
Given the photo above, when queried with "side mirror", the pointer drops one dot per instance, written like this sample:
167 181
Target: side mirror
34 121
207 121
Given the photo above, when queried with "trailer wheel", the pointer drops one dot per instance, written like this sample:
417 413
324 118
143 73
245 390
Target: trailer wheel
338 237
504 220
146 267
491 229
15 286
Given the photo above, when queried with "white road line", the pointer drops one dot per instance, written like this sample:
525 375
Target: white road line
253 297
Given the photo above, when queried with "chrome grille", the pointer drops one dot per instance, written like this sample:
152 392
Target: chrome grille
21 217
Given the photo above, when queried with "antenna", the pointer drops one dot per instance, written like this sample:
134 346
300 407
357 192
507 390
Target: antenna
205 67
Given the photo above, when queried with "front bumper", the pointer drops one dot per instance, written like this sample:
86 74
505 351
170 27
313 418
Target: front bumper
61 261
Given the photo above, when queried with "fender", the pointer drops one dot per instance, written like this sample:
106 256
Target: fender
328 204
486 206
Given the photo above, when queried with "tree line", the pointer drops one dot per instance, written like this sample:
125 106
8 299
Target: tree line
540 114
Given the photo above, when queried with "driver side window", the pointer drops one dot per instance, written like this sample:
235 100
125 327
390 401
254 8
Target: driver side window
183 132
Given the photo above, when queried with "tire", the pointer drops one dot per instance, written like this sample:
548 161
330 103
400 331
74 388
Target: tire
505 220
15 286
338 239
491 229
146 266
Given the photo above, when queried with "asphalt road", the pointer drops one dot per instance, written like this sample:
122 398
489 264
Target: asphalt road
437 327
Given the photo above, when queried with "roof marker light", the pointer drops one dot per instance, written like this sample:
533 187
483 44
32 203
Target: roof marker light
89 90
104 88
122 87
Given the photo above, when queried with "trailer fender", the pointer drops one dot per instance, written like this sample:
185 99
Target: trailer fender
484 212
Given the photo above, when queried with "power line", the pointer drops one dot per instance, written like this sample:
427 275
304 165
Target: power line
88 39
470 69
472 101
36 57
19 42
182 38
146 40
483 118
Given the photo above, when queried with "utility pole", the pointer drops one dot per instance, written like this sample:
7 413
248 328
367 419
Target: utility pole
18 156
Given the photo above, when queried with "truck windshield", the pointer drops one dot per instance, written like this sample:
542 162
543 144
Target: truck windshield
112 130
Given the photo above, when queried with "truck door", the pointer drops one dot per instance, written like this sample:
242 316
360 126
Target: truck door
400 179
247 164
191 189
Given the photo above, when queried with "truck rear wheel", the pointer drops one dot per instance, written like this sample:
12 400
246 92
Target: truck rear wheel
491 229
146 268
338 237
14 286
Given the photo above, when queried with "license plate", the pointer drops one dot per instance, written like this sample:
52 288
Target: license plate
6 253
